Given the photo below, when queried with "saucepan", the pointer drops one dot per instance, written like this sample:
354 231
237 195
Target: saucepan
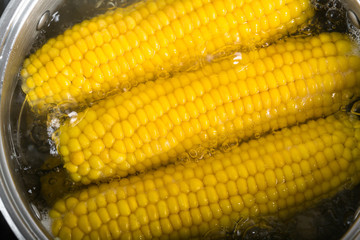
21 26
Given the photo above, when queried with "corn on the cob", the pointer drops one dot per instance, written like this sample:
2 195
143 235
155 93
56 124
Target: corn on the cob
114 49
153 123
275 175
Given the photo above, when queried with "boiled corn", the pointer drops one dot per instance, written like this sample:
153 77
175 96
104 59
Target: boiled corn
275 175
117 49
253 93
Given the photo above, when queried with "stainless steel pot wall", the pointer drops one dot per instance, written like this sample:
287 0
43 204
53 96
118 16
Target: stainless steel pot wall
18 30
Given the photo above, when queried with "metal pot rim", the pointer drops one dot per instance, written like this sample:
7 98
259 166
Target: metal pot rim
12 205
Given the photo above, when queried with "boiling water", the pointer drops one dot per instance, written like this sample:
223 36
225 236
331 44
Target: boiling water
39 163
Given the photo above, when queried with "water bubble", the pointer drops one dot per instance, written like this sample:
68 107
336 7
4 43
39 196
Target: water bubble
52 181
111 5
126 86
334 15
163 74
211 152
215 233
355 109
229 144
189 64
204 154
193 153
322 2
338 5
184 157
213 143
200 149
68 182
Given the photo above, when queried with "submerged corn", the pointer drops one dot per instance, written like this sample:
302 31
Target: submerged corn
275 175
256 92
120 47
